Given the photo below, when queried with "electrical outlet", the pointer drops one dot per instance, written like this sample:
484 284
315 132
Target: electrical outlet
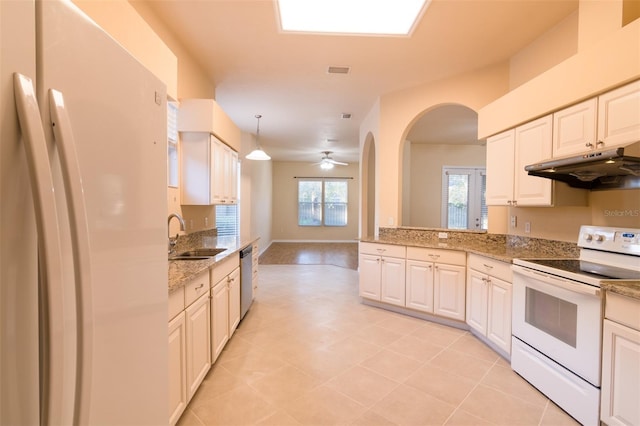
514 221
390 220
206 221
527 227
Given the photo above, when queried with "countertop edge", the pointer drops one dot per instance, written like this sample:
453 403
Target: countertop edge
181 271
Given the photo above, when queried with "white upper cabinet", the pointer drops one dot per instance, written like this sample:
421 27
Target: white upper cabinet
209 170
619 116
533 144
574 129
500 154
507 155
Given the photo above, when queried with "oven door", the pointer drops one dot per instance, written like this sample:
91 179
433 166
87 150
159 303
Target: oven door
560 318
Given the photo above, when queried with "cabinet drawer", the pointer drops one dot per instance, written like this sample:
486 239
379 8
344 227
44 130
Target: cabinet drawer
196 288
491 267
224 268
434 255
176 302
382 249
623 310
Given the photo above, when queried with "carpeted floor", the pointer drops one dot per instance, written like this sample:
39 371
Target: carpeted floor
344 255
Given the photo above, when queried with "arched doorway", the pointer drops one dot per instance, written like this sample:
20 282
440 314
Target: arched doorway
443 170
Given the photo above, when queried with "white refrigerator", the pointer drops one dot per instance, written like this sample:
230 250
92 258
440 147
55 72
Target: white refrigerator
83 207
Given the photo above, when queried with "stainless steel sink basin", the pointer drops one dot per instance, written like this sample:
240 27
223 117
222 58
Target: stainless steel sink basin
198 254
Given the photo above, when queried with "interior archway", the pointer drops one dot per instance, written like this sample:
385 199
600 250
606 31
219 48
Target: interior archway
443 136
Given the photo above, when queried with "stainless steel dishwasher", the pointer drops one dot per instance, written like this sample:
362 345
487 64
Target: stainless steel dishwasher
246 274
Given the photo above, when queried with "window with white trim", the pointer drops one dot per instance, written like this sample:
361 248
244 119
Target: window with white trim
322 202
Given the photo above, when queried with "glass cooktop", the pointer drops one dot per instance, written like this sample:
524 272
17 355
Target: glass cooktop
583 267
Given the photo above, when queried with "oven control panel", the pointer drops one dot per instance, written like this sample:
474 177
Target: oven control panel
617 240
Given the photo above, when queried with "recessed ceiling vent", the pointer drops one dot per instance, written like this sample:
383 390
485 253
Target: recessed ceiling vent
345 115
338 70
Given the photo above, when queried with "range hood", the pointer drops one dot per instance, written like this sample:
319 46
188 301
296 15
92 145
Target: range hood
611 168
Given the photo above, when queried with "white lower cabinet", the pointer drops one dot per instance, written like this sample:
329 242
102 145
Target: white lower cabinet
234 300
620 391
382 272
426 280
225 303
177 367
436 282
489 300
219 318
188 340
197 317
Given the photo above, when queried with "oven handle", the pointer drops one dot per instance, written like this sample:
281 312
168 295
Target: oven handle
557 281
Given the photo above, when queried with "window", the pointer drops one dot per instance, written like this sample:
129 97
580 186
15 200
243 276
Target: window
322 202
227 219
463 198
172 144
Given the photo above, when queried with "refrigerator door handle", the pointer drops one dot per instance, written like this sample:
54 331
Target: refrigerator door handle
54 339
79 227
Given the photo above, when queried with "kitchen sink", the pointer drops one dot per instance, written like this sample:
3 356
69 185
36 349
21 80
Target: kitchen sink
198 254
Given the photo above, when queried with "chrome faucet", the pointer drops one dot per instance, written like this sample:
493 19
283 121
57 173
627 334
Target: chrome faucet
174 240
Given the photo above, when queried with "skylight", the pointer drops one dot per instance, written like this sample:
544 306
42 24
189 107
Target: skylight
364 17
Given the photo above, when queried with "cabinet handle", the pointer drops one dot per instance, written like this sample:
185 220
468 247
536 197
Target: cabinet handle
588 144
509 202
381 250
599 143
434 256
514 203
487 266
199 287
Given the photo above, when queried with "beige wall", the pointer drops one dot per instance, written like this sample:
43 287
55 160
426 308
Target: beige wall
424 172
285 203
607 56
398 112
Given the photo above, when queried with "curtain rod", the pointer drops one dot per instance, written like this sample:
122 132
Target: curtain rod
322 177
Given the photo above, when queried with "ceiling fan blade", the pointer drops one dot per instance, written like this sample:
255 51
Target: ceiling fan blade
338 163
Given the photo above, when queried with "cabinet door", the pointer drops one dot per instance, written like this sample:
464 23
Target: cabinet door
233 176
196 157
419 285
198 344
234 300
574 129
500 154
369 271
499 315
219 318
177 368
449 291
477 300
619 116
392 282
217 171
620 370
533 144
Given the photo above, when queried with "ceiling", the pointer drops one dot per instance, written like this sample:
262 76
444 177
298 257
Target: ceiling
257 69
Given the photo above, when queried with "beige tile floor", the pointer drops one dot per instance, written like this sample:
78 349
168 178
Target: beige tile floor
309 353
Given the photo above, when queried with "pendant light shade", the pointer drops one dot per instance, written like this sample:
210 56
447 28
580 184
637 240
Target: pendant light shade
258 153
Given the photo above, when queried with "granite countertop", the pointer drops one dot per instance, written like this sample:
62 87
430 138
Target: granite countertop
181 271
496 250
629 288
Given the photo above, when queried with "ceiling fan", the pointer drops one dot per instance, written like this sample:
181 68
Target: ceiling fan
327 162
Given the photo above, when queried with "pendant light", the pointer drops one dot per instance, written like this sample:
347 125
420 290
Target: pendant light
258 153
